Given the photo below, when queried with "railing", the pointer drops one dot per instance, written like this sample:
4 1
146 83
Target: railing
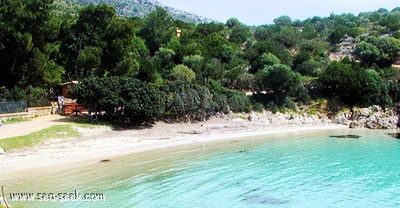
12 107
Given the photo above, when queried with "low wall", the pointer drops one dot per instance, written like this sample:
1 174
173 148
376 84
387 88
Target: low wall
6 116
40 111
30 112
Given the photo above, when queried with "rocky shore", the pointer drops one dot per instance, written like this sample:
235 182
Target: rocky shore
287 119
373 117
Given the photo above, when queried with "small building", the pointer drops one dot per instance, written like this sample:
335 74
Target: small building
65 87
178 33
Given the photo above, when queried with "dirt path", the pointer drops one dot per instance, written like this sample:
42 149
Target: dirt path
27 127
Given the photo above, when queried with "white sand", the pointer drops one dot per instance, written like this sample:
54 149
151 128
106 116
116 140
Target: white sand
103 143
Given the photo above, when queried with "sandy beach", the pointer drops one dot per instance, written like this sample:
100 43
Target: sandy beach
103 143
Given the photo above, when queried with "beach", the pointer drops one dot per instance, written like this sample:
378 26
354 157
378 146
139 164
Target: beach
103 143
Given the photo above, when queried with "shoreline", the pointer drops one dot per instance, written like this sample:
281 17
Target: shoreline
65 154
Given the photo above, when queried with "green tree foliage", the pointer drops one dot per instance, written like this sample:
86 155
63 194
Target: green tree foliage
391 21
235 69
380 51
89 61
310 68
207 29
259 48
233 22
281 80
188 101
157 29
239 33
138 68
123 49
315 47
126 100
288 36
90 31
283 21
354 85
229 100
268 59
197 64
27 41
164 58
300 58
340 32
183 73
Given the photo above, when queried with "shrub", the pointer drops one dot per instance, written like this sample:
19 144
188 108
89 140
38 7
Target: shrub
125 100
235 100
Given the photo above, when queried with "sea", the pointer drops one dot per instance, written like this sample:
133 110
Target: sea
323 168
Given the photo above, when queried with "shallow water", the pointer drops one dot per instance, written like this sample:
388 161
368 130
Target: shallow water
286 170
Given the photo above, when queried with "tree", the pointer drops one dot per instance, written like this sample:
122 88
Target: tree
89 61
340 31
142 102
92 24
239 34
188 101
27 44
310 68
233 22
353 84
301 57
90 31
196 63
268 59
206 29
123 50
287 36
283 21
183 73
166 55
157 30
380 51
368 52
255 51
125 100
281 80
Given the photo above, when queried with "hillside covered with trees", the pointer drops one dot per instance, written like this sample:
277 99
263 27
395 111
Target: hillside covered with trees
142 69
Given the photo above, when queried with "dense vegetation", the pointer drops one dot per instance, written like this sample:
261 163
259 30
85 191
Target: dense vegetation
137 69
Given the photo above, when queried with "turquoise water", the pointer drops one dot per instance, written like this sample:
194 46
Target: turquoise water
288 170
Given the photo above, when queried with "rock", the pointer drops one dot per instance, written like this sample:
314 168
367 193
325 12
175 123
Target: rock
341 120
362 121
375 108
355 125
251 117
325 121
2 151
364 112
350 136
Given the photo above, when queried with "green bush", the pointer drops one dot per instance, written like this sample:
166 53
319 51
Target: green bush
185 100
125 100
235 100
